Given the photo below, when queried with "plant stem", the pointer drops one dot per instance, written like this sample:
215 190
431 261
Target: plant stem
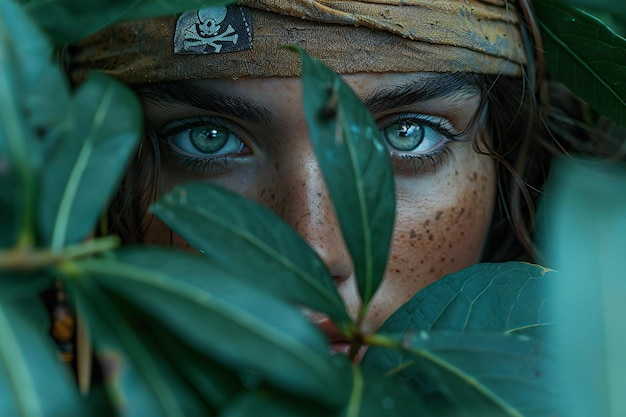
27 259
381 340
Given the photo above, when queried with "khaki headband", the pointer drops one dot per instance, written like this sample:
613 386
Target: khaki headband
350 36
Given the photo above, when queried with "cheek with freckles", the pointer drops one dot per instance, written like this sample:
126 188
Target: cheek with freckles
439 230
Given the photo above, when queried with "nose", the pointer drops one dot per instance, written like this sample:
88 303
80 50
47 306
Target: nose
305 204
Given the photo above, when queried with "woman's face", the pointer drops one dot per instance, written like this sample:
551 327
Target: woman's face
250 136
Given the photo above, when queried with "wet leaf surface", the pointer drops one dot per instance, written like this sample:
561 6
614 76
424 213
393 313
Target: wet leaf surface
474 373
509 297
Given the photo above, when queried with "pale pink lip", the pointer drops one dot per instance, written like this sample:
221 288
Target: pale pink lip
332 332
339 343
339 347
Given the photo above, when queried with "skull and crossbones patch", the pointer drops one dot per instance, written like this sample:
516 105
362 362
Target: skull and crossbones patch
213 30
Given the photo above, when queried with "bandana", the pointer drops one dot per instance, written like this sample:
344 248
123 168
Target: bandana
477 36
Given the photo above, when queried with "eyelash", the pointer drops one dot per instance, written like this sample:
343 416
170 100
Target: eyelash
414 164
403 163
196 165
203 166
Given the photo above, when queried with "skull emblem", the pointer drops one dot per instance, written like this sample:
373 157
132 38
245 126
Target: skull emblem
210 30
210 19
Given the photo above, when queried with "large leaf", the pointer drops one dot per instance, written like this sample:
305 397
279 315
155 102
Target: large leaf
106 123
480 373
375 395
44 88
138 380
266 401
48 107
28 365
32 49
586 226
611 6
355 164
372 395
86 17
219 223
216 384
510 297
151 8
24 57
242 326
15 285
275 404
586 56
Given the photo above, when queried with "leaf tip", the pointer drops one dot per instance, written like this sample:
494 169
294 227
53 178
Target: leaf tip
293 48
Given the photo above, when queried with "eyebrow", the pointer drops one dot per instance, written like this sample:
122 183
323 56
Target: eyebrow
460 86
189 93
422 88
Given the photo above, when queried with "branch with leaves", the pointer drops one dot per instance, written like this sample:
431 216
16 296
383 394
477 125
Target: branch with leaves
177 334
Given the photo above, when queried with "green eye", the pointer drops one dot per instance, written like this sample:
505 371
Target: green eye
203 139
208 139
404 136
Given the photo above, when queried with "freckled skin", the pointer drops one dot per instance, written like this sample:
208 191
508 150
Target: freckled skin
442 217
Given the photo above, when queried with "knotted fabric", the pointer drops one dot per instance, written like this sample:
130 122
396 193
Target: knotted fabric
478 36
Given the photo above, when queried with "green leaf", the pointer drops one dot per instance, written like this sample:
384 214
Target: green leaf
15 285
481 373
611 6
85 166
44 91
138 380
585 55
33 51
374 395
151 8
275 404
98 402
215 383
288 350
47 107
511 297
219 224
28 364
88 17
355 164
24 59
586 224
